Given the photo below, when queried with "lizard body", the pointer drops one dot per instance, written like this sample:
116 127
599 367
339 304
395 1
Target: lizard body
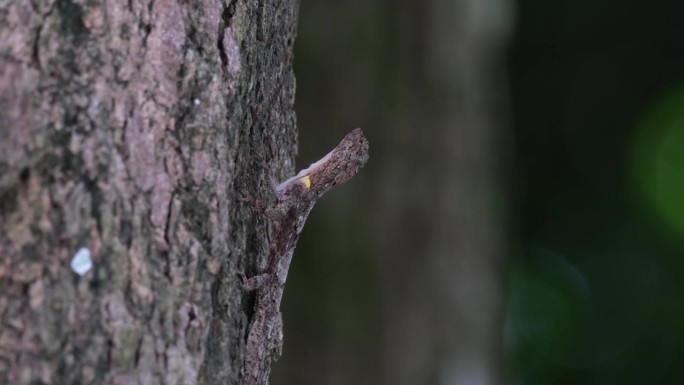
295 198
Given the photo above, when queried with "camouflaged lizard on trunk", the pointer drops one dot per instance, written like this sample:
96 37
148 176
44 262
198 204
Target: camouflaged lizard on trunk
295 198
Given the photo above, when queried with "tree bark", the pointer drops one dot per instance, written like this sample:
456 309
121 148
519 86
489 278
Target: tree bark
128 129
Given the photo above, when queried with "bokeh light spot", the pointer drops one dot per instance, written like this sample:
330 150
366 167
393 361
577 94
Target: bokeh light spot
659 158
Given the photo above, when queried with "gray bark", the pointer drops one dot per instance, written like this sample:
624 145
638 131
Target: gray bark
127 128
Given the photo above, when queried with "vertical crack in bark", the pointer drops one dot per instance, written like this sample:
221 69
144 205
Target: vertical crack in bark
146 27
259 13
169 216
137 352
226 20
35 51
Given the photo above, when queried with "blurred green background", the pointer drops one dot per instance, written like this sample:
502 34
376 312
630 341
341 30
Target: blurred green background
521 218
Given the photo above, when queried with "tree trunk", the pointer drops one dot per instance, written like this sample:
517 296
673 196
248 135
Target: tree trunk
128 129
442 247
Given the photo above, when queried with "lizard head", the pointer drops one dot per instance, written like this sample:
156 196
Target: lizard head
337 167
340 165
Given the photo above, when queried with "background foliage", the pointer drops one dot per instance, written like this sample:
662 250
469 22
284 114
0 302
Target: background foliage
589 134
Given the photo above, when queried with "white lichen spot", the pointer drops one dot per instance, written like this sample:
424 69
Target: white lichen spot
196 102
81 262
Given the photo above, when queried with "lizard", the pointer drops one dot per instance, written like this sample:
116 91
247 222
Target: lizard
296 197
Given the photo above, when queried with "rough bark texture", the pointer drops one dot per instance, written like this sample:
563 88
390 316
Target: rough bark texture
127 127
